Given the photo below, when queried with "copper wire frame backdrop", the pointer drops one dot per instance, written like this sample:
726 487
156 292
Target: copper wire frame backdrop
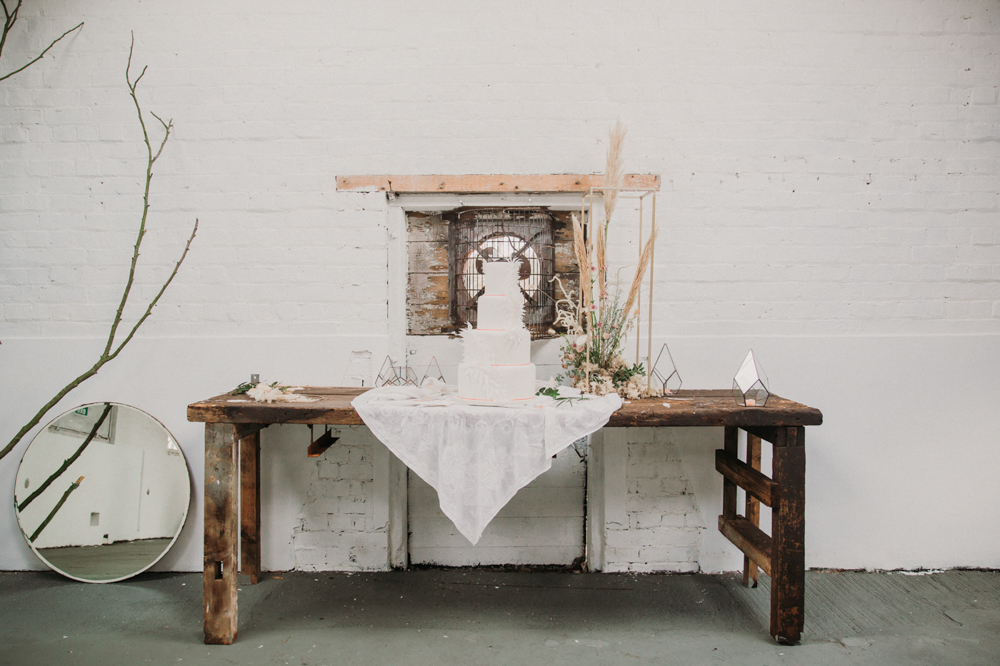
587 215
522 235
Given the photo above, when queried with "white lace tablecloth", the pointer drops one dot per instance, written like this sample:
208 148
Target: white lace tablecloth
476 457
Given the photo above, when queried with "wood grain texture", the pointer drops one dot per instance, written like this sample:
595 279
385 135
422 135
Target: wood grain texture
731 449
749 538
487 183
743 475
713 408
221 524
788 533
250 506
687 408
752 509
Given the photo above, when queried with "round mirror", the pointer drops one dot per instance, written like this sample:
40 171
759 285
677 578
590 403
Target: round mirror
102 492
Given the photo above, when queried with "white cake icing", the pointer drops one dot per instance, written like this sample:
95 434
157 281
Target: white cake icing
497 365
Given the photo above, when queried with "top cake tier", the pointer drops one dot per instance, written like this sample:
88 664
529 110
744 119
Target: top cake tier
501 307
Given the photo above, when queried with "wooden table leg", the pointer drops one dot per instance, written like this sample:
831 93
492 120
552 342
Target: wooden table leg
731 447
788 536
221 444
751 509
250 506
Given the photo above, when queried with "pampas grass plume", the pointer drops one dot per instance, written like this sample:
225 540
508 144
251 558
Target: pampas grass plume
614 170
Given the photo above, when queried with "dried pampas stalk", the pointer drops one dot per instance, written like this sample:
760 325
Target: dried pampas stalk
601 259
580 248
640 272
614 170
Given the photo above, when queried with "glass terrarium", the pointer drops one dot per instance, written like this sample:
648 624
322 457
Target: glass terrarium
395 375
664 372
433 371
750 386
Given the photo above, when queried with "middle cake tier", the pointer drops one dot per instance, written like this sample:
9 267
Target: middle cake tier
496 383
497 347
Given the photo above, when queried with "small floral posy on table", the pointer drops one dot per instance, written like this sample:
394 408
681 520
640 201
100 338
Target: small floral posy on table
273 392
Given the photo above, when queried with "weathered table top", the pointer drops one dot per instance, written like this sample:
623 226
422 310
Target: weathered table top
685 408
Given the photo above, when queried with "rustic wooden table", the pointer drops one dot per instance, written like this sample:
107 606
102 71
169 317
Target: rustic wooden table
232 472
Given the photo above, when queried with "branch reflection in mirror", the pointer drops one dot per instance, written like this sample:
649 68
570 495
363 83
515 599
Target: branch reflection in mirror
129 511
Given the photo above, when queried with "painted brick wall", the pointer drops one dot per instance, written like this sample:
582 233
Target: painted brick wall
829 198
333 532
664 530
332 512
846 153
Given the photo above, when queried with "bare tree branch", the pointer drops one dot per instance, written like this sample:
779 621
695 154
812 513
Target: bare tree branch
73 486
108 354
10 18
69 461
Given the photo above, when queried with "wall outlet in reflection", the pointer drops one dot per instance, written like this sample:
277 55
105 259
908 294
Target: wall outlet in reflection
95 519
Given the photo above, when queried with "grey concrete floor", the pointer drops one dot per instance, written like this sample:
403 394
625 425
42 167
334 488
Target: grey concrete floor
486 617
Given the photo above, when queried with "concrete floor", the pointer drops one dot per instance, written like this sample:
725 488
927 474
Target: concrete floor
486 617
111 561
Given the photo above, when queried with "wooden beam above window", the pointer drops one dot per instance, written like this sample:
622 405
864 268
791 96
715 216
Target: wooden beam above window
488 184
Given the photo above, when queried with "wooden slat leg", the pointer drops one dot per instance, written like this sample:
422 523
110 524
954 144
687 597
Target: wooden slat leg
221 471
752 509
788 537
730 445
250 506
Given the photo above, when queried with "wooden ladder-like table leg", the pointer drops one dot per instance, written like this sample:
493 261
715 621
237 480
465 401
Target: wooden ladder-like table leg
751 509
788 536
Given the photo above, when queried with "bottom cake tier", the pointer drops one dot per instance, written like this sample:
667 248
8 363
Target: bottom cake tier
496 383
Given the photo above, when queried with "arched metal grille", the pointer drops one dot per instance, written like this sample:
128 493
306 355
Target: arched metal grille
523 235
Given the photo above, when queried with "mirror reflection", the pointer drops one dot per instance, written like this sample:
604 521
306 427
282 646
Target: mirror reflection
102 492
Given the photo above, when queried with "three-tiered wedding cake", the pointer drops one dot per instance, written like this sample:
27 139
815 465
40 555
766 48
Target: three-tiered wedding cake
496 366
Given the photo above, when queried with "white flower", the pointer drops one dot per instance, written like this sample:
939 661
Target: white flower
265 393
581 341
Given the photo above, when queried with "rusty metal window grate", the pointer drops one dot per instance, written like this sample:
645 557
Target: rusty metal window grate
523 235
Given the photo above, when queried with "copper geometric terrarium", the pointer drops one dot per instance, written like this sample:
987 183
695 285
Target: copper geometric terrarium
395 375
665 373
750 387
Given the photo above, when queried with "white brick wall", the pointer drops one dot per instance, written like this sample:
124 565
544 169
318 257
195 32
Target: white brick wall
829 198
333 520
643 513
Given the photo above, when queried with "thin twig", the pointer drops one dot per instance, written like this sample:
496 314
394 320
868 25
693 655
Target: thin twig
55 509
9 23
69 461
9 19
108 354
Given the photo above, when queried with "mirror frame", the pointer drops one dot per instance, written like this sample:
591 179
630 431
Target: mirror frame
177 533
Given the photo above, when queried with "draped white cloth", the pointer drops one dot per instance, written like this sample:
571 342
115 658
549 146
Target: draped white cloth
476 457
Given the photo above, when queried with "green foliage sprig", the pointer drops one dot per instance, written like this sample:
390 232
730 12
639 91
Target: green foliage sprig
246 386
560 399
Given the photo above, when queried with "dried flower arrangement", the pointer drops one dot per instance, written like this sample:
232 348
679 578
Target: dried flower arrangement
599 318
